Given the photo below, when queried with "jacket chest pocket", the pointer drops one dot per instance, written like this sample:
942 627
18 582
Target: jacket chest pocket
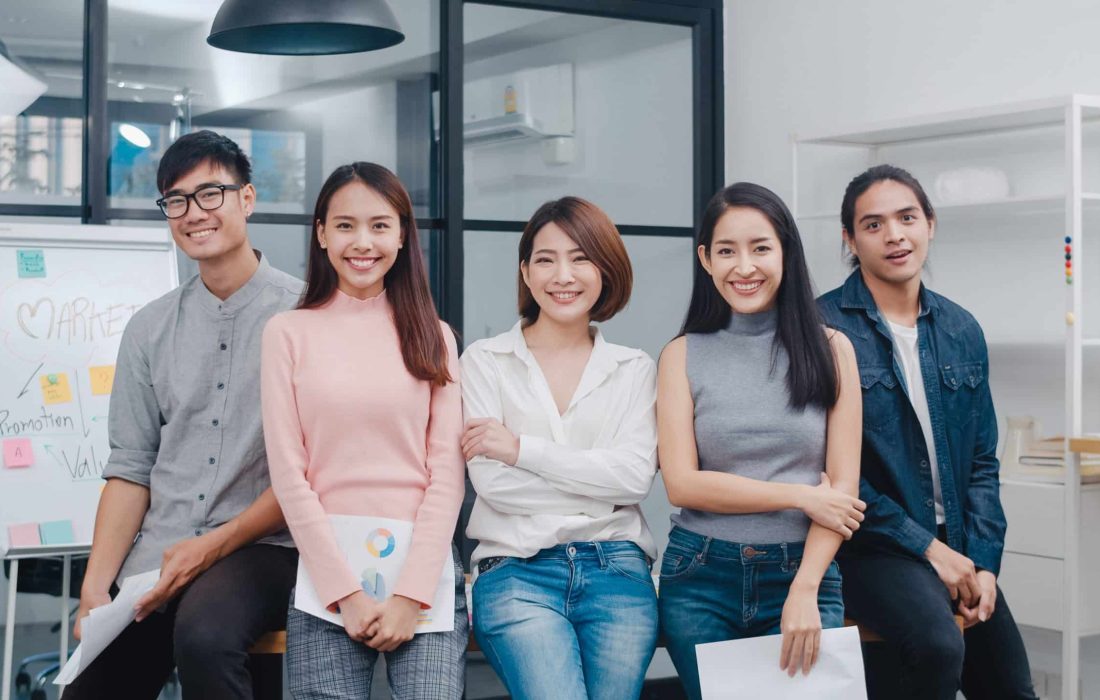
962 386
881 397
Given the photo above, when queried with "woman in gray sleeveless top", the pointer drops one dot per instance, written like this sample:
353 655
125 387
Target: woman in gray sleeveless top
759 424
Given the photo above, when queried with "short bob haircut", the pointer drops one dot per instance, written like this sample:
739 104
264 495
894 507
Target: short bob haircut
595 234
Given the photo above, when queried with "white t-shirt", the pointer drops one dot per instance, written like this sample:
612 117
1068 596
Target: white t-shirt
905 347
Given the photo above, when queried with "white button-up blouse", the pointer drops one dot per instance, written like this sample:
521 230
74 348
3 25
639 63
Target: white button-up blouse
580 475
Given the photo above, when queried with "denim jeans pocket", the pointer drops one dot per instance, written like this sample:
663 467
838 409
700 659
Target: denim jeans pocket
491 564
678 563
634 567
832 578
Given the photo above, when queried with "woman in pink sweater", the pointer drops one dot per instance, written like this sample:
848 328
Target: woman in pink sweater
363 417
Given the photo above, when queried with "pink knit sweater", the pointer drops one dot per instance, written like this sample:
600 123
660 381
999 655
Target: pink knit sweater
349 431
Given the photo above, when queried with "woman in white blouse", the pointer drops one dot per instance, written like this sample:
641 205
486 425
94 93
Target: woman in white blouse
561 444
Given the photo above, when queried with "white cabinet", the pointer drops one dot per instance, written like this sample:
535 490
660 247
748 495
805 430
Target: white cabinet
1034 558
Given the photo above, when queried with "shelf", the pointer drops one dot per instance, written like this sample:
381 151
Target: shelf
1013 206
1006 117
1085 444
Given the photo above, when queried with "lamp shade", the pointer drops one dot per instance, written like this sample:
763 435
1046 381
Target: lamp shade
304 27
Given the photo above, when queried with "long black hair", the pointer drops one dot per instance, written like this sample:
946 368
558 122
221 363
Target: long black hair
812 375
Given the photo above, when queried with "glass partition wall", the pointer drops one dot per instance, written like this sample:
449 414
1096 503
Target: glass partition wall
486 110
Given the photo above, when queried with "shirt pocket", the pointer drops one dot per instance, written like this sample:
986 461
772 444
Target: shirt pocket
880 397
962 384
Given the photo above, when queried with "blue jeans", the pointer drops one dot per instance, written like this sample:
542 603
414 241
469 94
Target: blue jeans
713 590
575 621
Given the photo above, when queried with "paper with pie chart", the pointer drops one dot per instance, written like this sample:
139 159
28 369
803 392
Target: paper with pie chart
376 549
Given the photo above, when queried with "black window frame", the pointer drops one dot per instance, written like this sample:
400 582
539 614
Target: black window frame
703 17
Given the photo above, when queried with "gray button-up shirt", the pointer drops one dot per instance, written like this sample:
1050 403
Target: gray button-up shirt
185 416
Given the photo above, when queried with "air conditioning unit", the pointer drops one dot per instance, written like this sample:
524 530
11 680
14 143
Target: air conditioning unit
534 103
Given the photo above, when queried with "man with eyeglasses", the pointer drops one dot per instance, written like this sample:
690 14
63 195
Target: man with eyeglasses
187 487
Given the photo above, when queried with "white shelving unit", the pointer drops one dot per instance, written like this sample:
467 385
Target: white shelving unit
1046 520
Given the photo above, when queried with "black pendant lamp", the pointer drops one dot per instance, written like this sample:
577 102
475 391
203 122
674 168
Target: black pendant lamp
304 27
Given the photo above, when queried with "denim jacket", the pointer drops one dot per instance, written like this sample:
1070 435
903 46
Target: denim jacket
896 477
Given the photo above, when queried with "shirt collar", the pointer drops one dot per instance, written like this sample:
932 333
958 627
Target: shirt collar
240 298
512 341
855 295
605 358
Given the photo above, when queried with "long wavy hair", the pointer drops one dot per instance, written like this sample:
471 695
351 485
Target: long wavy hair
423 346
812 375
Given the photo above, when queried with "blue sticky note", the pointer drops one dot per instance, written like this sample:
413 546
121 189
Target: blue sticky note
57 532
31 262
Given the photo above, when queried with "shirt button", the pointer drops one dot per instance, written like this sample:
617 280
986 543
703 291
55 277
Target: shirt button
215 421
929 503
198 532
221 385
924 463
211 461
202 496
224 346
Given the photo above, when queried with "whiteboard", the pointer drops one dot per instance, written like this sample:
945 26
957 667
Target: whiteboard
66 294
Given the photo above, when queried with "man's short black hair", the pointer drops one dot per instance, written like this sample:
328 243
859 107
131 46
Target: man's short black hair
191 150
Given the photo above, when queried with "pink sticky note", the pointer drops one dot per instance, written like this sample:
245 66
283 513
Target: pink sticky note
18 452
23 535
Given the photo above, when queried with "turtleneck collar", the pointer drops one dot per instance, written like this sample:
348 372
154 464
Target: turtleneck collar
760 323
341 301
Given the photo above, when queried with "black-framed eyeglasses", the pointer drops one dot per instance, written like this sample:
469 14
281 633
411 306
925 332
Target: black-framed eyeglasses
206 198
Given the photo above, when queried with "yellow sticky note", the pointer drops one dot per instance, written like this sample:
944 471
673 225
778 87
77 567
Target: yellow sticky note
55 388
103 378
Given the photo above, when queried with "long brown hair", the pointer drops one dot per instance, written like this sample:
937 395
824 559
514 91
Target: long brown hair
422 344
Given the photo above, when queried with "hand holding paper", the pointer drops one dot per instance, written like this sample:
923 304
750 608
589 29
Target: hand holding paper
376 549
105 623
746 669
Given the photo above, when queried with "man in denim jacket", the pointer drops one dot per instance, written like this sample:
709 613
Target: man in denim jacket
932 541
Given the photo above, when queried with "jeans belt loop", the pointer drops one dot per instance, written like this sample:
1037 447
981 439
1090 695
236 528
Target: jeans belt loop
705 550
786 557
601 555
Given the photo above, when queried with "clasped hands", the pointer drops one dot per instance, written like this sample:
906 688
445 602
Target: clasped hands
975 591
381 626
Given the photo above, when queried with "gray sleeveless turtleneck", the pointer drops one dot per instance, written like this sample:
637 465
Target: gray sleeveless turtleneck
744 426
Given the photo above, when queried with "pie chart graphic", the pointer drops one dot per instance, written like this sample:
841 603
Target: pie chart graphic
380 543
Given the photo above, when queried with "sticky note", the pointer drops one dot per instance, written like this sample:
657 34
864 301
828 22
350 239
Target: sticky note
18 452
103 378
55 388
23 535
56 532
31 262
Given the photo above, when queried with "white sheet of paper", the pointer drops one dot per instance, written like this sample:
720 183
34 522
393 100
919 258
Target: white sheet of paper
105 623
748 669
376 549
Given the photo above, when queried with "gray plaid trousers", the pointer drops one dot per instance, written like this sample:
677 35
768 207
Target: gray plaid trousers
323 663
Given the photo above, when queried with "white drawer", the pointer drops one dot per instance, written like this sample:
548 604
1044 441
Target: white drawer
1033 588
1035 518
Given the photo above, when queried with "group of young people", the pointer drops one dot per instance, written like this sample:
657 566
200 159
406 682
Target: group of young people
830 457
